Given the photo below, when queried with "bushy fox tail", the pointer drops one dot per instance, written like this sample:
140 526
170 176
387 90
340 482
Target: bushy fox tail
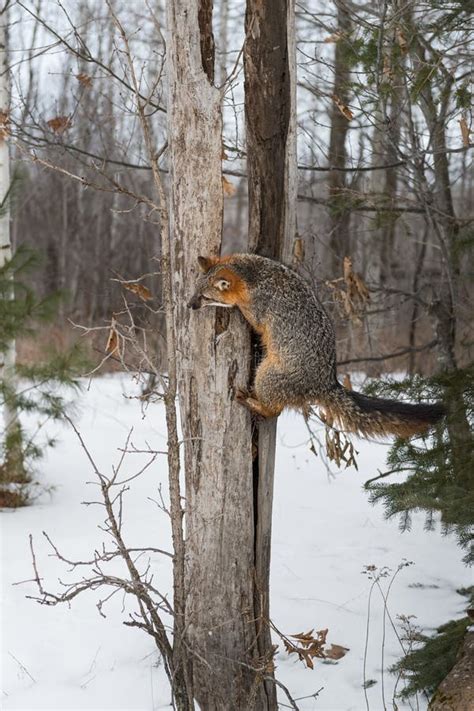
379 417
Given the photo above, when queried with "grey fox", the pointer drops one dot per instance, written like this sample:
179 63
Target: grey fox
299 366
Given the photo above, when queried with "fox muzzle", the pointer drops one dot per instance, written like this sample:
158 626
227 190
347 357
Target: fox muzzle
195 302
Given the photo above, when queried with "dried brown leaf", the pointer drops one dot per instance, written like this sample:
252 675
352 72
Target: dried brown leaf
311 645
347 381
402 43
84 79
113 339
142 291
4 124
356 293
465 132
301 652
228 187
336 651
298 250
335 37
316 650
4 118
347 268
361 287
345 110
304 637
59 124
309 662
339 448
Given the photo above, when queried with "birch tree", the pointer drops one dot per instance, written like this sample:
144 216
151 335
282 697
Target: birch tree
12 469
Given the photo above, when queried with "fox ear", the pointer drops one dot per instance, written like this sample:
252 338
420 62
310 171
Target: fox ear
205 263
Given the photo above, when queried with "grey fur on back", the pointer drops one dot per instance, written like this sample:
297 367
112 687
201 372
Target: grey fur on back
302 332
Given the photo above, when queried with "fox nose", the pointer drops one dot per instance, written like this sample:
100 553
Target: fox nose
195 302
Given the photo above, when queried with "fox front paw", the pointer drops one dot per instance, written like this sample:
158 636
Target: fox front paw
242 395
251 403
245 398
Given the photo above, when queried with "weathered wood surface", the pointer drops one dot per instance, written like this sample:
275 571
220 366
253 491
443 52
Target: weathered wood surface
456 691
213 354
270 116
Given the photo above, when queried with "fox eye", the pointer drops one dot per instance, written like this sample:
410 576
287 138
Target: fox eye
222 284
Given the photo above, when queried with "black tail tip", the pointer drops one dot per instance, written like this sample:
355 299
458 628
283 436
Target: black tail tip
435 412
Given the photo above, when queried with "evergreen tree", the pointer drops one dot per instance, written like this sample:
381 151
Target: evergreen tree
439 469
36 388
438 478
432 658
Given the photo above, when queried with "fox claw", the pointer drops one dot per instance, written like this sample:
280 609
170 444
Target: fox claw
242 395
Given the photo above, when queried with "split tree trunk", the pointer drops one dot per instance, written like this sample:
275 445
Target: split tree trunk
270 116
223 615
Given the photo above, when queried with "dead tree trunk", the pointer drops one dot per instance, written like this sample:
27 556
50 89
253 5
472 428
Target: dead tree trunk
270 126
222 615
270 115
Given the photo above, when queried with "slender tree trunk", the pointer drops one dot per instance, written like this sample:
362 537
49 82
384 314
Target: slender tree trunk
442 218
447 228
419 264
13 467
383 184
270 114
222 618
386 142
340 215
388 179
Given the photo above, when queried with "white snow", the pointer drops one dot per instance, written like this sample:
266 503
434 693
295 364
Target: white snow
324 533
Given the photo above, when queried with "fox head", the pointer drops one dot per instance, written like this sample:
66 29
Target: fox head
218 285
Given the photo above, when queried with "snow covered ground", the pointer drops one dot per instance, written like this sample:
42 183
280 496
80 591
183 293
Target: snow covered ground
325 532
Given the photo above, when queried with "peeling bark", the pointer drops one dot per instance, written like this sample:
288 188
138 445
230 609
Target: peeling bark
213 361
